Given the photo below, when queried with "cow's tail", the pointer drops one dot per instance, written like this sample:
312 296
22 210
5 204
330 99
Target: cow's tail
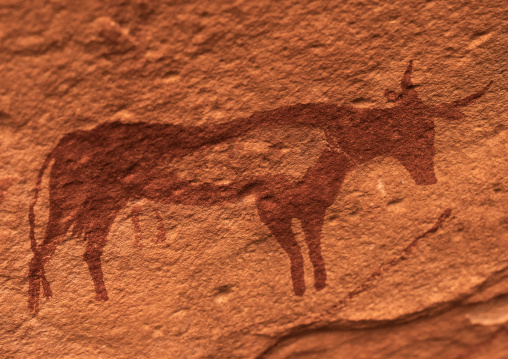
31 213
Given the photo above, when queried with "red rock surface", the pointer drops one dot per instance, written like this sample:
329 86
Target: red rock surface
413 271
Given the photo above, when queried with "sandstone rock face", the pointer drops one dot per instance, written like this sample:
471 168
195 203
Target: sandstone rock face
183 155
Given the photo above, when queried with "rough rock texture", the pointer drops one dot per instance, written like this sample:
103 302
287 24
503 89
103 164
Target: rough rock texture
414 270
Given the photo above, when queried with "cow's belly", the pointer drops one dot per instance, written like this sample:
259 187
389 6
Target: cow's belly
229 171
289 151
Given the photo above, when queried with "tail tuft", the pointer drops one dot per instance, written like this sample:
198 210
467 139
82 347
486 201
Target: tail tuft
31 212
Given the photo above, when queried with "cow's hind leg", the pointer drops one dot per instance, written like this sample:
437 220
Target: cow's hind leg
136 210
92 258
270 213
57 227
96 236
161 229
312 226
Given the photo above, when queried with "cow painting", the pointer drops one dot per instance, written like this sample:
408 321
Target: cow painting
94 174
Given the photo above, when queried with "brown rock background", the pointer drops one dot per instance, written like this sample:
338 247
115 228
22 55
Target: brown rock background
219 286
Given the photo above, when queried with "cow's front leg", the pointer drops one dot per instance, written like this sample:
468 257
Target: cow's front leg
312 226
272 215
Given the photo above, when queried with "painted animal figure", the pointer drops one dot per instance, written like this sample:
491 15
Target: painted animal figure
95 173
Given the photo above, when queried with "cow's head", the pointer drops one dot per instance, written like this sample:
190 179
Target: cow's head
413 128
404 131
412 131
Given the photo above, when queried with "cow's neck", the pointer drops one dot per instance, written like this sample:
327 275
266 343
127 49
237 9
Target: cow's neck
325 177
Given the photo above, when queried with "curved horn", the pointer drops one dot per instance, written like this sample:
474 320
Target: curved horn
406 83
450 110
467 100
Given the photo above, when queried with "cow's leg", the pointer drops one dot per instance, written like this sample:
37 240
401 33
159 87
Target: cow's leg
271 215
96 236
136 210
312 226
57 227
92 258
161 230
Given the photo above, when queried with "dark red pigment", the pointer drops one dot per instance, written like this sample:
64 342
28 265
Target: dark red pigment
96 173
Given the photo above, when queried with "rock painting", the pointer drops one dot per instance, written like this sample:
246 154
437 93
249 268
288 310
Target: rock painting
94 174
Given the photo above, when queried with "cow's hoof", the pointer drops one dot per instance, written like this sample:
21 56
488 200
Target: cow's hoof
33 305
101 297
319 285
299 291
47 292
320 279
